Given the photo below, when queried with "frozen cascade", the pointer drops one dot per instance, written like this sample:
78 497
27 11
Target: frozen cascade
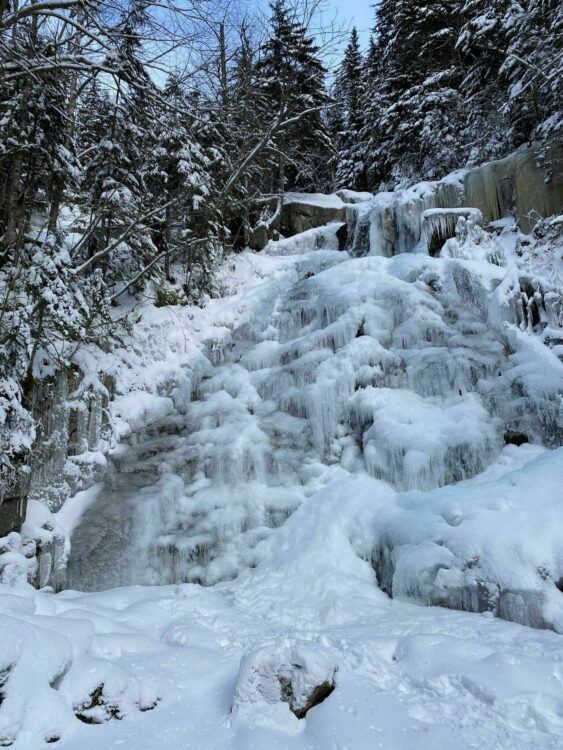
387 366
392 222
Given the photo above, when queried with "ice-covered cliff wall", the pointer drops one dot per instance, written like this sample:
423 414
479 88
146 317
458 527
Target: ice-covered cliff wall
526 185
73 434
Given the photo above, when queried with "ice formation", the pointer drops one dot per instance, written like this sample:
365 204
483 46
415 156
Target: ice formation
391 223
355 435
411 369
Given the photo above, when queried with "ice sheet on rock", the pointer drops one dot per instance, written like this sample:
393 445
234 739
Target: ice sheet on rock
391 223
322 238
487 545
424 443
403 368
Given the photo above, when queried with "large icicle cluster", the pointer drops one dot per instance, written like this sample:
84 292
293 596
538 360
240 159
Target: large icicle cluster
392 223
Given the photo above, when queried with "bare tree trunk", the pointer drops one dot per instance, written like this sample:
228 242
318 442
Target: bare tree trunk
108 218
10 210
167 228
223 78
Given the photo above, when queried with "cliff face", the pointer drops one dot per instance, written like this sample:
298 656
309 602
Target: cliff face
523 186
73 423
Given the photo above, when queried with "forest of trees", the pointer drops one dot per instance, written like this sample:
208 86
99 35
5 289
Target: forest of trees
142 141
138 142
445 84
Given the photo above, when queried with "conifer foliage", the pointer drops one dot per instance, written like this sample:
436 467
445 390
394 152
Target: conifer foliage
122 174
448 83
347 116
291 77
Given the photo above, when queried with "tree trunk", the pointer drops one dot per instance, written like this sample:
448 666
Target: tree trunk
223 78
69 132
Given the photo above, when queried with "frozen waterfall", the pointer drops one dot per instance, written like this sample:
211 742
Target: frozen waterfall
394 368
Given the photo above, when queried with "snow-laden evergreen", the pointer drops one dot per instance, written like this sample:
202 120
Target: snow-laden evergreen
448 84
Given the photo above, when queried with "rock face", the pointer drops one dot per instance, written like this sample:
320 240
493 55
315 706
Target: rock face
73 432
302 211
274 681
519 185
72 420
523 185
12 511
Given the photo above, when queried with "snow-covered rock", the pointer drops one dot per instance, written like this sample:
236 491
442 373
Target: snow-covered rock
303 211
278 678
353 196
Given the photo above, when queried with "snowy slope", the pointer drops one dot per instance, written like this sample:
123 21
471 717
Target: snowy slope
328 435
407 676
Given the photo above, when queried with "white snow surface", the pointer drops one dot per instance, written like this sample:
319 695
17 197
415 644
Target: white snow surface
407 676
320 200
326 435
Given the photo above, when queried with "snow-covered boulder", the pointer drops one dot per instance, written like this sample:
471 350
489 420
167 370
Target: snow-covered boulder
100 691
49 677
353 196
278 683
17 562
490 545
302 211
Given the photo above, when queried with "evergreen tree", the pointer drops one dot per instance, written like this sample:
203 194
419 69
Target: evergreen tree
34 158
482 43
454 83
348 93
247 111
533 68
113 169
292 81
371 142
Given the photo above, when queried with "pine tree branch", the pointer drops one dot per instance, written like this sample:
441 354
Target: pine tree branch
139 276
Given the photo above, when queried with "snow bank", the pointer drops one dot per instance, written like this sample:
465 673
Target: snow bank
492 545
320 200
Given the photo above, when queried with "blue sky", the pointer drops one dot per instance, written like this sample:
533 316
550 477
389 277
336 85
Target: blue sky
359 13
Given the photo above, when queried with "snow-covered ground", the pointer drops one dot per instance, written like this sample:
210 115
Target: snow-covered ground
333 424
407 676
